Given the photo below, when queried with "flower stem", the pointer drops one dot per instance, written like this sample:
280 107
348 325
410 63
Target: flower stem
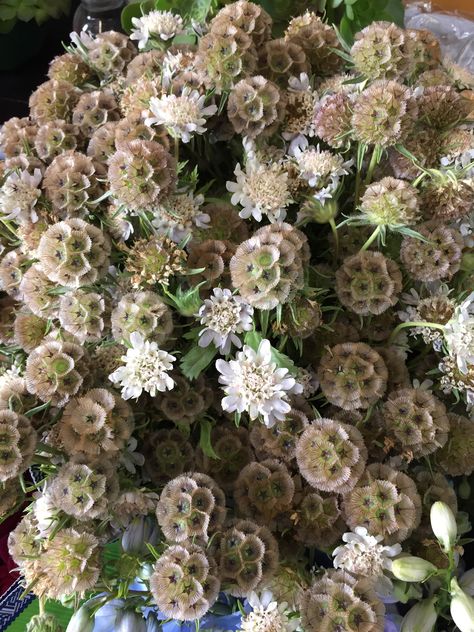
413 323
372 164
371 239
333 226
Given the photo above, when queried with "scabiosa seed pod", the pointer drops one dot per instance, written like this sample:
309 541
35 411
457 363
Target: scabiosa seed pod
439 257
98 422
368 283
456 458
154 260
318 40
70 563
318 520
224 225
74 253
11 497
102 142
247 557
281 59
7 319
395 361
82 491
148 64
132 127
190 506
391 202
54 371
14 395
212 255
109 53
35 289
280 440
54 138
105 360
331 456
441 107
12 267
232 446
141 174
352 375
416 421
264 490
378 51
384 501
300 108
71 68
70 183
332 121
186 402
267 269
29 330
301 319
382 113
184 582
338 598
136 96
93 110
82 315
447 198
167 454
53 100
248 16
17 135
17 444
225 55
144 312
254 105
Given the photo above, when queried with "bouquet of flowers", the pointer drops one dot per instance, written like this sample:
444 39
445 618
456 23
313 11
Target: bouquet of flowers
237 329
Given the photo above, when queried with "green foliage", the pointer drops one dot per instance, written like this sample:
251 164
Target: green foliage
205 439
26 10
253 340
196 360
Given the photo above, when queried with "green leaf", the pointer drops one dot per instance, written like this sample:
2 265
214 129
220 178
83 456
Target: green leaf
396 11
7 13
199 10
205 439
253 339
7 25
196 360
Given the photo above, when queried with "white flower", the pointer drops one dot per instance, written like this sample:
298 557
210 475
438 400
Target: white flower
320 168
224 316
261 190
299 84
45 513
363 554
19 194
182 115
459 334
252 383
267 615
177 215
162 25
146 369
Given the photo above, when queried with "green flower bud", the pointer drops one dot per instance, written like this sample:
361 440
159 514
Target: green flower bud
404 591
462 608
43 623
319 212
443 524
412 569
421 618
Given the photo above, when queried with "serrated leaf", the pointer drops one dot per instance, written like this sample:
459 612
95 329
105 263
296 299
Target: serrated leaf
205 439
196 360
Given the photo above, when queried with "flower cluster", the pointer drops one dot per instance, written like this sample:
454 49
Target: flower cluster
237 324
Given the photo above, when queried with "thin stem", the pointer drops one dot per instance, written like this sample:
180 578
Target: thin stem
333 226
357 190
413 323
41 606
371 239
176 150
372 164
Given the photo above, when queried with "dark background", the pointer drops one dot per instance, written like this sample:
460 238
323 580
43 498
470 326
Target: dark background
17 85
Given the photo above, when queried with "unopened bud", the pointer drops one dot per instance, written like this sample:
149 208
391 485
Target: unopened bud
82 620
421 618
412 569
443 524
462 608
129 621
140 531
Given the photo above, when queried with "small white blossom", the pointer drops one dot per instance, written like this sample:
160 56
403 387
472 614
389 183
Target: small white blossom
363 554
177 215
299 84
224 316
163 25
320 168
459 334
45 513
261 190
146 369
19 194
267 615
253 383
182 115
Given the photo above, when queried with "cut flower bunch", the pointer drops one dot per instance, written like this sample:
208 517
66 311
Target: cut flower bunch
237 329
